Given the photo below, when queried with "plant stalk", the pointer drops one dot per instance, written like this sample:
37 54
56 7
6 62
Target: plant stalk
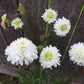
49 3
19 68
41 70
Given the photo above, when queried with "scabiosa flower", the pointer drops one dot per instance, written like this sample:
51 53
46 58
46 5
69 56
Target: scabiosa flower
62 27
21 51
17 23
76 53
49 15
49 57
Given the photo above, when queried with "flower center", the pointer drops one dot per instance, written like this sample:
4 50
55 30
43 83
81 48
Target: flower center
50 16
48 56
22 48
17 23
79 53
23 42
63 28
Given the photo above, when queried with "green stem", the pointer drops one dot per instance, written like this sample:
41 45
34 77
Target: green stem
71 36
49 3
41 70
19 68
46 33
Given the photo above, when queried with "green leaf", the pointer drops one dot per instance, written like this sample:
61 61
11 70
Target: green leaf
22 10
11 78
22 74
24 81
3 18
62 81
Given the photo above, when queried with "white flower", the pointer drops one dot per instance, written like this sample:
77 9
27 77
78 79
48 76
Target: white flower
21 51
62 27
49 15
17 23
49 57
76 53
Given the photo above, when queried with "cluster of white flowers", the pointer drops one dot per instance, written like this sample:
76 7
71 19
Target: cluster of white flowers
76 53
61 26
17 23
21 51
49 57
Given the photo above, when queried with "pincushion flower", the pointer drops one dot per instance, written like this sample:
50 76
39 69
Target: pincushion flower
49 57
76 53
62 27
17 23
49 15
21 51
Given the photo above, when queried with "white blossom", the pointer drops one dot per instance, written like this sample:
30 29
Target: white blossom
76 53
49 57
21 51
17 23
62 27
49 15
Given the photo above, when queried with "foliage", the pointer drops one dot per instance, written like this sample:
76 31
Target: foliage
21 9
3 18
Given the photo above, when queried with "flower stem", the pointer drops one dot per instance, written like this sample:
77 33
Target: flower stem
41 70
49 3
46 33
71 36
19 68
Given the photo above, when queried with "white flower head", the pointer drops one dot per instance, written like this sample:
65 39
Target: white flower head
76 53
49 57
62 27
49 15
21 51
17 23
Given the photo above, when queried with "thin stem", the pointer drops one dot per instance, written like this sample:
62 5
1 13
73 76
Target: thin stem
71 36
49 3
46 33
41 70
19 68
